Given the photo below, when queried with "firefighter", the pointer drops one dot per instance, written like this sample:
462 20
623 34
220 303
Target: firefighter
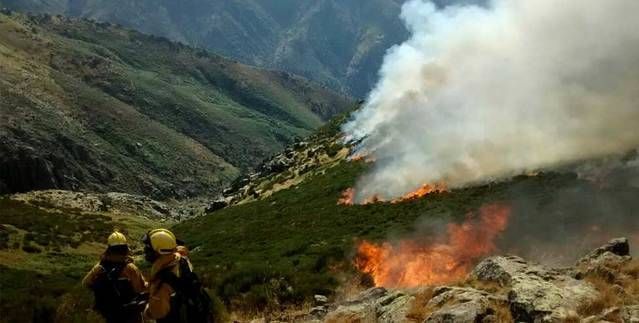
175 292
118 285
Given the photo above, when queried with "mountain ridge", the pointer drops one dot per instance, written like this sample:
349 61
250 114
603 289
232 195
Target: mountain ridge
96 107
339 44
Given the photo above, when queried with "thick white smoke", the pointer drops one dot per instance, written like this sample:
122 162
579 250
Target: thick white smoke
484 93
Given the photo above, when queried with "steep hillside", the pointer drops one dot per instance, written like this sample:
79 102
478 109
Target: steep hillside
285 238
90 106
338 43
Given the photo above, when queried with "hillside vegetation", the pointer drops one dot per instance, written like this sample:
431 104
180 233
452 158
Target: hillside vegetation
92 106
46 250
338 43
287 238
284 238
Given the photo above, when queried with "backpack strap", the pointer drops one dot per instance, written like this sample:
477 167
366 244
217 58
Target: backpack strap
168 276
190 303
112 270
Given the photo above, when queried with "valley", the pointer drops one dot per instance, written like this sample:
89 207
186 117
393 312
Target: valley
90 106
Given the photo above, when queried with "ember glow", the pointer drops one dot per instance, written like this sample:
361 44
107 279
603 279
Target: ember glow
411 263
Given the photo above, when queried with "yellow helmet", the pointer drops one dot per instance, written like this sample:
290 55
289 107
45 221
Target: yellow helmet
162 241
116 239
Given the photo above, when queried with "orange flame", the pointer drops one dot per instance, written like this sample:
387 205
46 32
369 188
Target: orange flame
412 263
361 156
348 196
423 191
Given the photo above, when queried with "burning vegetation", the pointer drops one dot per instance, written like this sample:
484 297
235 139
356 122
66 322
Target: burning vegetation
412 263
348 196
422 191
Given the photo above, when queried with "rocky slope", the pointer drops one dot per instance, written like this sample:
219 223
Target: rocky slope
298 162
111 203
91 106
601 287
278 235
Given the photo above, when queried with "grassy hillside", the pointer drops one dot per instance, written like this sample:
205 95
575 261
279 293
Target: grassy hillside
46 251
284 247
299 235
291 241
96 107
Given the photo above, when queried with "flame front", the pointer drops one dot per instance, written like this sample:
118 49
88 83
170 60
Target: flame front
423 191
348 196
411 263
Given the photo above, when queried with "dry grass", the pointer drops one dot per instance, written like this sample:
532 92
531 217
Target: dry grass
610 290
501 309
607 298
502 312
571 318
418 310
290 313
631 282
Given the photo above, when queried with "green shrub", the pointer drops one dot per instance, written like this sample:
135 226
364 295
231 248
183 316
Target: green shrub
30 248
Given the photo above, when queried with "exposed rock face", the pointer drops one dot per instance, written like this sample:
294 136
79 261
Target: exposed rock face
606 260
286 169
536 293
110 202
619 247
373 305
24 170
526 292
456 304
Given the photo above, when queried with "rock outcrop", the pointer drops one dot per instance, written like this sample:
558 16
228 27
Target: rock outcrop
457 304
605 261
374 305
502 289
286 169
537 293
113 203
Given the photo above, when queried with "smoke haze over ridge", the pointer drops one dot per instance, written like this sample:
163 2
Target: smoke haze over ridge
484 93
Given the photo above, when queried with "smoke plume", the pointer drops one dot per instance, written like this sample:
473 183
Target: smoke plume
484 93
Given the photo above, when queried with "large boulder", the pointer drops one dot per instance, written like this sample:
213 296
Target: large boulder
605 261
216 205
372 306
393 307
618 246
355 313
537 293
534 299
464 305
505 287
500 270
